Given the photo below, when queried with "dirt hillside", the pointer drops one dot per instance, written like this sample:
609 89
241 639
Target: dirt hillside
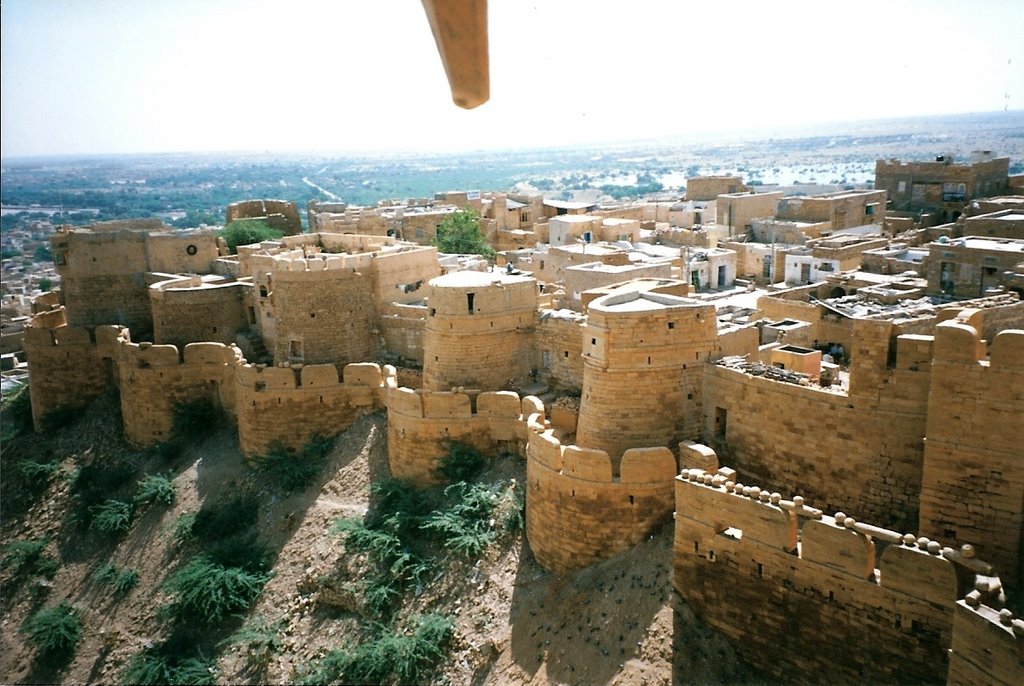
617 622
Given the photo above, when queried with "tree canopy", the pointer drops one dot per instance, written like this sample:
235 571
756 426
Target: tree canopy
459 233
246 231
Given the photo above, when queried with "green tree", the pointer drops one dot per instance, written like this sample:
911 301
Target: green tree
459 233
42 253
45 284
246 231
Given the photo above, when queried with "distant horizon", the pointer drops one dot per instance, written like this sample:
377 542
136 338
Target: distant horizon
794 131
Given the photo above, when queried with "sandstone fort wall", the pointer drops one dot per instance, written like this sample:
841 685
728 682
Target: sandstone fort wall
324 311
643 356
421 425
185 310
156 379
479 332
287 407
580 509
987 648
69 366
973 477
855 451
798 607
559 350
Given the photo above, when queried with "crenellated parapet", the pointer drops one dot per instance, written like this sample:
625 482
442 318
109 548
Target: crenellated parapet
988 645
582 508
798 587
421 424
973 477
156 379
288 405
68 366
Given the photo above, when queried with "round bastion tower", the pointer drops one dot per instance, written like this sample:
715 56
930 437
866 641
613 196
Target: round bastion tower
479 331
643 358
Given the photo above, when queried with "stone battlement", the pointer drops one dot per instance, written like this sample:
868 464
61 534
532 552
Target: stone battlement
70 365
421 424
817 584
287 406
988 645
580 509
155 379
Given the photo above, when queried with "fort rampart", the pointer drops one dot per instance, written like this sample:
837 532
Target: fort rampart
421 424
973 478
579 510
70 365
798 588
285 406
191 310
857 450
155 379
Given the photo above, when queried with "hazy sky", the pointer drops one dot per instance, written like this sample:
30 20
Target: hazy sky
105 76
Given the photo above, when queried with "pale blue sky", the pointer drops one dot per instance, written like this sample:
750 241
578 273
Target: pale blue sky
108 76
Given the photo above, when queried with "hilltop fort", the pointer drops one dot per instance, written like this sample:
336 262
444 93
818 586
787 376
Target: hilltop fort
858 355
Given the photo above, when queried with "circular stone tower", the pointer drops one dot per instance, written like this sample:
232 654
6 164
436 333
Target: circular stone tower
479 330
643 357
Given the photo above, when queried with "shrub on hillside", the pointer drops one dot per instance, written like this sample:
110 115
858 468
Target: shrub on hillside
120 579
294 471
155 488
461 463
207 592
29 558
16 414
410 656
225 518
171 664
53 631
113 516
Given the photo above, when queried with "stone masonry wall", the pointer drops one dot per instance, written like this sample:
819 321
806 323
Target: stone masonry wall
479 331
848 603
68 366
973 481
324 315
422 423
856 451
154 380
643 376
281 405
988 646
559 350
578 511
186 311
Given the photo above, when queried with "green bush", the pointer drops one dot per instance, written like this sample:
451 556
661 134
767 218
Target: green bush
155 488
181 530
120 579
92 484
461 463
16 414
293 472
207 592
410 656
53 631
247 232
165 664
225 518
243 551
29 558
261 640
112 516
